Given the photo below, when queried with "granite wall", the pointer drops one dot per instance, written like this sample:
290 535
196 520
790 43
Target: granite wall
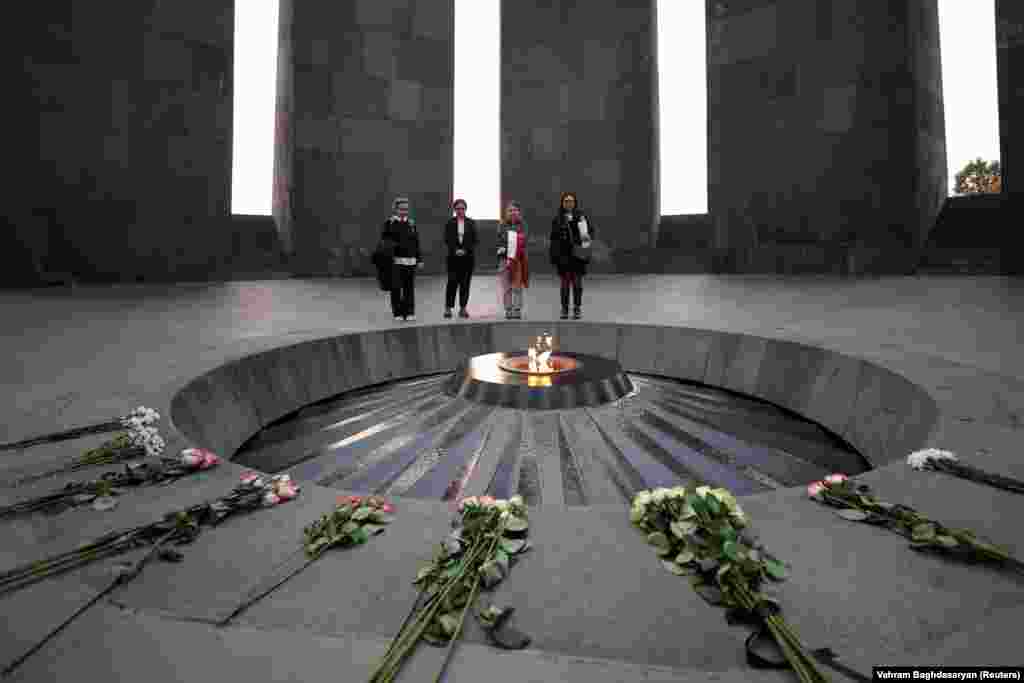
373 102
577 113
127 173
815 110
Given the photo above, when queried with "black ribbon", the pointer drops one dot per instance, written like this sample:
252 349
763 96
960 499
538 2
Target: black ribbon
762 639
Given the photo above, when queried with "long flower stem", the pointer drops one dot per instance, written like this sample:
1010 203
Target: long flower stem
409 636
972 473
469 605
458 630
124 578
406 641
75 433
793 650
249 602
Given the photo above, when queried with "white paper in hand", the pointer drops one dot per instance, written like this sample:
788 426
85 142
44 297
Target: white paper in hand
512 235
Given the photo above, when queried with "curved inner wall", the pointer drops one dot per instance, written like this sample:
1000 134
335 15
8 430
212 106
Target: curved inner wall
878 412
405 438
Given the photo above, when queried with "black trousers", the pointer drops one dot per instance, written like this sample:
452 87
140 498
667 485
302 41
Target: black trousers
460 272
403 291
572 279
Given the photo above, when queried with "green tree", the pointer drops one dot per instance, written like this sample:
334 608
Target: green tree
979 176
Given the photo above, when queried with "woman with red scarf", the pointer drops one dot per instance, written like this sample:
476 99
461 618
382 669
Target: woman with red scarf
514 272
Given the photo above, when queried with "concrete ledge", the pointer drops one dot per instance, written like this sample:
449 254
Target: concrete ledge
879 412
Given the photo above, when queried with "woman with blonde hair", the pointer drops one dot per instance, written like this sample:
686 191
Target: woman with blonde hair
513 268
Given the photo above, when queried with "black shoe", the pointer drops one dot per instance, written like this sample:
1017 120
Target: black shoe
447 313
463 313
565 314
577 314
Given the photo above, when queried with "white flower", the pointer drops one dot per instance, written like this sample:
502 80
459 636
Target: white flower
919 459
642 499
703 490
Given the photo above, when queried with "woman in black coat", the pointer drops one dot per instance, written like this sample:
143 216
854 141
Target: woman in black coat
460 237
571 234
400 231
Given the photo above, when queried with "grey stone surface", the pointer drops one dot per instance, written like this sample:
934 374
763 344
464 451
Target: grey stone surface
853 588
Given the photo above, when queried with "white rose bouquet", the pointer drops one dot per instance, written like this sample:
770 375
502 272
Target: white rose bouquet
136 419
703 533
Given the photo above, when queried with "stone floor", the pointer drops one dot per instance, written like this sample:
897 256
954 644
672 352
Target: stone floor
597 605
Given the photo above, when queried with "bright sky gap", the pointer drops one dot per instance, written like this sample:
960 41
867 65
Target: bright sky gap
477 112
969 83
255 101
682 107
970 90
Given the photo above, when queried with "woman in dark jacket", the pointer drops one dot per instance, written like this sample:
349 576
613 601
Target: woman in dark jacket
400 230
571 234
460 237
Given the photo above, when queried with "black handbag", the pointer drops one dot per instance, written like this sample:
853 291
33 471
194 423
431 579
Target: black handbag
582 252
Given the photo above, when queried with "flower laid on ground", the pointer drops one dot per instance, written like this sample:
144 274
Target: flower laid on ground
179 528
351 523
128 446
946 461
488 536
186 524
703 533
857 503
135 420
100 492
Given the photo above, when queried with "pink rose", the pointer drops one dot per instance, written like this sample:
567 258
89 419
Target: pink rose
356 501
386 507
486 500
209 460
249 477
835 478
287 492
190 457
814 490
270 499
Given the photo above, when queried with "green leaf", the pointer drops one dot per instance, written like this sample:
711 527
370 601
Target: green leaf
685 556
674 568
681 529
731 550
359 536
852 515
947 541
659 540
516 525
697 504
361 514
502 558
775 569
513 546
923 533
423 573
714 507
449 622
349 527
